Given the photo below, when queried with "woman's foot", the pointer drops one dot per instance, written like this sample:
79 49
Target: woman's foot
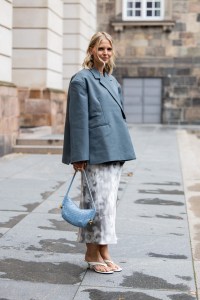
114 267
104 252
93 257
99 267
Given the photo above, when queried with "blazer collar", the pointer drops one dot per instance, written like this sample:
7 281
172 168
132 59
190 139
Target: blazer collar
108 83
95 73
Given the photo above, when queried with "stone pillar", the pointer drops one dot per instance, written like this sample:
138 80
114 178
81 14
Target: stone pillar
9 112
79 26
5 40
37 43
37 61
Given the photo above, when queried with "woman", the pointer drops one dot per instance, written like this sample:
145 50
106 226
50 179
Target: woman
96 139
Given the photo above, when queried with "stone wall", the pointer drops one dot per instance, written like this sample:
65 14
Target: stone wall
172 54
42 108
9 117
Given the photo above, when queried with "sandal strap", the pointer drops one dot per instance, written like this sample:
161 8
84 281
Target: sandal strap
96 263
109 261
119 269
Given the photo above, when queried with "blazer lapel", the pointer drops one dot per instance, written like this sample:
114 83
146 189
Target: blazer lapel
108 83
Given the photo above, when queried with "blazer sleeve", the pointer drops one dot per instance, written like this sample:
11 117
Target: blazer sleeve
78 121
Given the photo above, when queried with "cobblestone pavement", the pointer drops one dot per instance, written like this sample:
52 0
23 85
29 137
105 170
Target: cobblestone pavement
40 258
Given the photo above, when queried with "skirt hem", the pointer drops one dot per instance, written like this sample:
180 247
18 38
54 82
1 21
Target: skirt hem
97 243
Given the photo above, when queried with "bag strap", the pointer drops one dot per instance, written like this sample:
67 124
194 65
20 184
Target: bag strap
87 183
71 183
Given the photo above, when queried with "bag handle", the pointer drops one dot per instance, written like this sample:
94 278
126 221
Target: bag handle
71 183
87 183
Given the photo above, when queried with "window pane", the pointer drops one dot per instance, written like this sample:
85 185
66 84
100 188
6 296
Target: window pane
129 13
149 4
138 13
157 13
137 4
129 4
157 4
141 9
149 13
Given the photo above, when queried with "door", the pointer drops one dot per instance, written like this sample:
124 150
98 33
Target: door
142 100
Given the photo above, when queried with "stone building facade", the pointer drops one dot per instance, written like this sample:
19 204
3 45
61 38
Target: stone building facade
42 44
9 108
158 57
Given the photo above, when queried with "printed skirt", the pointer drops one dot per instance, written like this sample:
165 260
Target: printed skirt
104 182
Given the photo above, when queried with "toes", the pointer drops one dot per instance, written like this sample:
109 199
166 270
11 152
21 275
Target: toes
113 267
102 269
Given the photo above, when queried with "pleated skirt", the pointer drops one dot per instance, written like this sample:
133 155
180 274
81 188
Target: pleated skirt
104 183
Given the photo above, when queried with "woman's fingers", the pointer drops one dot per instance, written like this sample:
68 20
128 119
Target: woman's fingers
79 166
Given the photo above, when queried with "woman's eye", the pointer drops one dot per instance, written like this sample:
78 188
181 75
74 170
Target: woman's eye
102 49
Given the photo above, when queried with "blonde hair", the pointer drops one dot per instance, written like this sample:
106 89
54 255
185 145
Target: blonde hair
96 39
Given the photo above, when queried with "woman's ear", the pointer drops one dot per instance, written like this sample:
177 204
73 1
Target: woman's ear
91 50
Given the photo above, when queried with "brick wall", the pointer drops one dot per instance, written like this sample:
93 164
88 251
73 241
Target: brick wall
9 117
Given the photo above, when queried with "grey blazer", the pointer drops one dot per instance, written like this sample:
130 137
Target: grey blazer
95 127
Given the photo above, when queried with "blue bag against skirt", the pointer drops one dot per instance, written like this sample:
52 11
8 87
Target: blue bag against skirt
75 215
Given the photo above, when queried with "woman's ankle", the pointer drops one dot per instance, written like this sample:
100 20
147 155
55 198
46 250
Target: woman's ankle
104 252
95 257
92 253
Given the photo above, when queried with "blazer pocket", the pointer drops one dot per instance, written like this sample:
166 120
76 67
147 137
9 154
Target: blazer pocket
96 115
97 120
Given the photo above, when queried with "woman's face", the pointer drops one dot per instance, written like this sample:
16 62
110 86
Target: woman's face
102 53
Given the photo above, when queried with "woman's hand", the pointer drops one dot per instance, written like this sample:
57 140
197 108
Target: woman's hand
79 165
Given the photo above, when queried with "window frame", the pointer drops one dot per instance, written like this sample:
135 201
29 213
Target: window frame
143 17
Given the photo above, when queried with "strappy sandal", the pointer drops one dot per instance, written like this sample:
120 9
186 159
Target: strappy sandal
107 261
91 266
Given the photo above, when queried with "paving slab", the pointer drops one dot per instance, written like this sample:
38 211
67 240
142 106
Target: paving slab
157 246
48 168
149 226
22 290
42 271
43 227
96 293
25 194
3 230
13 164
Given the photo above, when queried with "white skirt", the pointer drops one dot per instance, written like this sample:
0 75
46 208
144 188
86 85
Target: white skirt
104 182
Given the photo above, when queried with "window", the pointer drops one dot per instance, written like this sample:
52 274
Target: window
143 10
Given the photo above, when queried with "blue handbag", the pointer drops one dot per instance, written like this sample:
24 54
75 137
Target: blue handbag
75 215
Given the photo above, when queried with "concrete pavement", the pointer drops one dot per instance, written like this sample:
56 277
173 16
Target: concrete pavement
39 256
